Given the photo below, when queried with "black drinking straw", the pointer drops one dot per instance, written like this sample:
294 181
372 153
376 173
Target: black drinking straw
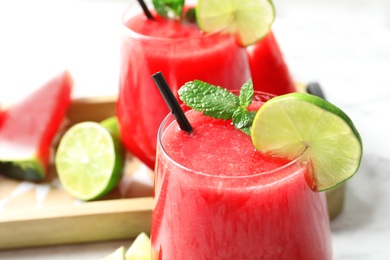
171 101
315 89
146 10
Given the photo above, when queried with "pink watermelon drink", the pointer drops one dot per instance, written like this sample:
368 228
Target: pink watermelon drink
218 198
183 53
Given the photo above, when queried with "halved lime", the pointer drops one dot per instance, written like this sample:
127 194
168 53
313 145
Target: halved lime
289 125
111 124
249 20
89 160
140 249
118 254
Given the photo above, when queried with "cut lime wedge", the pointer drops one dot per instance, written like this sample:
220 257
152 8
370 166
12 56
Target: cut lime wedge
89 160
118 254
248 20
299 123
140 249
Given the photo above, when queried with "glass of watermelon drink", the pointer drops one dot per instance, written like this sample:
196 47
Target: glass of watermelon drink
217 198
183 53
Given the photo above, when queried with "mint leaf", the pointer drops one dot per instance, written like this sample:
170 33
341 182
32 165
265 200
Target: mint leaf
169 8
243 119
246 94
213 101
190 15
219 103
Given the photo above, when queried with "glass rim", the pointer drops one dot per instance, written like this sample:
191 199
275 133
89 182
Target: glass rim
170 117
133 34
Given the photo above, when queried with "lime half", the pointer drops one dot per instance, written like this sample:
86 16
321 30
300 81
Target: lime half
299 123
248 20
89 160
140 249
111 124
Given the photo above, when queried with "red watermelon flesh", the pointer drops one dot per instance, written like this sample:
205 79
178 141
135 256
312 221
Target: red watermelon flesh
268 68
2 113
29 127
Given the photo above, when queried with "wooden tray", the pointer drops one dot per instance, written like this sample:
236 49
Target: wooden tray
44 214
33 214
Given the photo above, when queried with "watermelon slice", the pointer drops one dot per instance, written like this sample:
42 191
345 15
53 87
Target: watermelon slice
268 68
1 115
28 128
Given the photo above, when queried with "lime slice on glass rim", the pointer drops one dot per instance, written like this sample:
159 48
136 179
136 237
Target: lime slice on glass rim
300 123
90 160
248 20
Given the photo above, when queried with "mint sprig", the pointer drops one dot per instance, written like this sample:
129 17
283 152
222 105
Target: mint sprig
219 103
171 9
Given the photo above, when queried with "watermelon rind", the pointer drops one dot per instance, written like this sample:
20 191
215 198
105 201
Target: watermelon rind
28 169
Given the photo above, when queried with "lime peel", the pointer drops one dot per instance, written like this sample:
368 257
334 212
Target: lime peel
299 123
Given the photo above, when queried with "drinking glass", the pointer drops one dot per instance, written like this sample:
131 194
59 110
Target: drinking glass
214 58
269 215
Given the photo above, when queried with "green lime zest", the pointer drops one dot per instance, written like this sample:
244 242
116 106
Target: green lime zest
218 102
171 9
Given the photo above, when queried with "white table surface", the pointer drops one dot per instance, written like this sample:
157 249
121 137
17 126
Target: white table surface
343 44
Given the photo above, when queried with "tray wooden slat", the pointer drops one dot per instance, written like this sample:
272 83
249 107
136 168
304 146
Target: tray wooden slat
91 109
86 222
